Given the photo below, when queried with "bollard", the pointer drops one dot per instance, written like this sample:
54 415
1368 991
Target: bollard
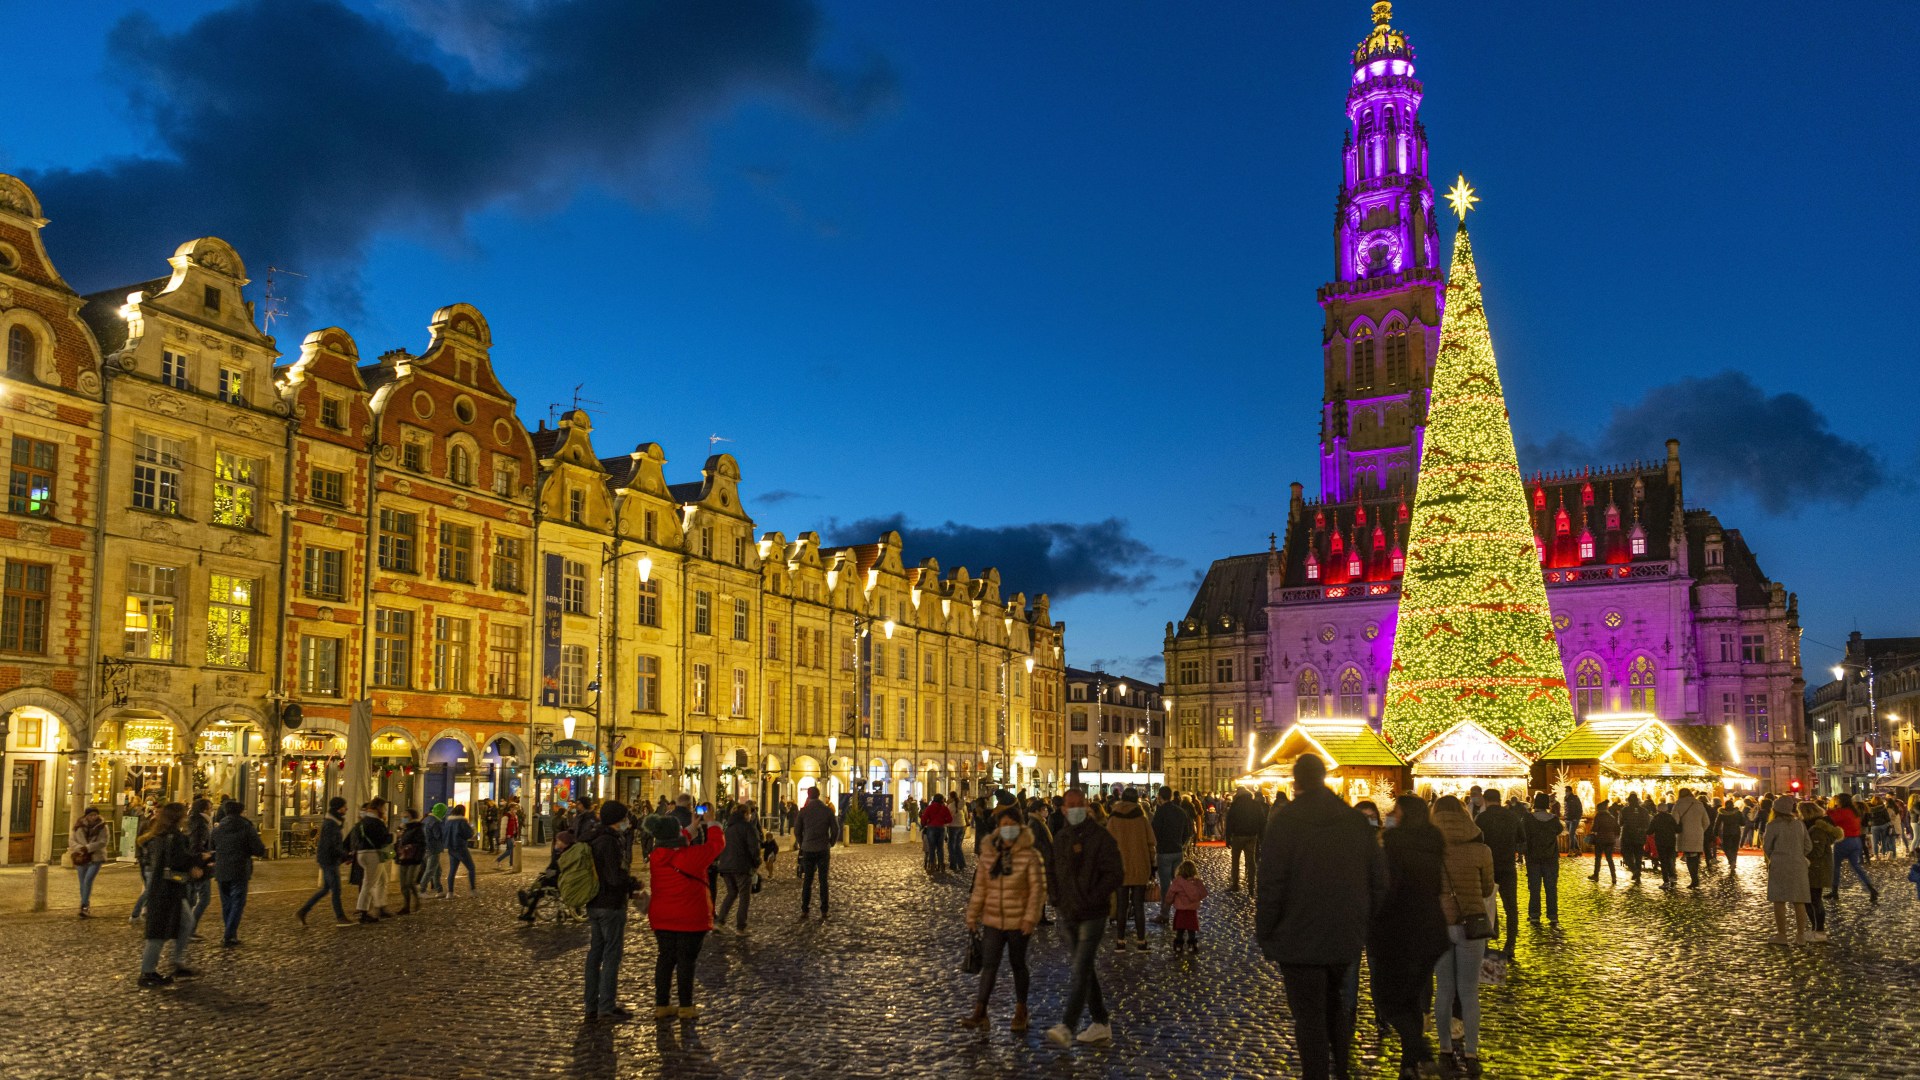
40 887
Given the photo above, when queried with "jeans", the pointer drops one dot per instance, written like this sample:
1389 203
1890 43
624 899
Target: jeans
506 850
991 940
605 948
679 949
373 882
409 885
1083 992
956 839
1508 886
233 901
150 958
199 895
455 860
739 885
1247 848
1167 866
329 886
1603 848
430 880
146 886
1131 900
1848 851
1543 880
1323 1001
811 863
1817 910
88 871
1458 975
934 839
1883 839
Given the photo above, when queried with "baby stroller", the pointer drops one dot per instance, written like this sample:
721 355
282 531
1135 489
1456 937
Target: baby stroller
541 902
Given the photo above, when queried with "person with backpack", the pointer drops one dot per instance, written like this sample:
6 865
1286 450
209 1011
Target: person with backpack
329 853
738 865
459 835
370 840
681 913
1543 861
235 844
598 871
816 833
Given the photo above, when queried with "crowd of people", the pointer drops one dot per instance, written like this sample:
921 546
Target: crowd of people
1420 886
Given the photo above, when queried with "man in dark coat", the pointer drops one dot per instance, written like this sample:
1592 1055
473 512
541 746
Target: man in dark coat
1500 828
1086 873
1543 860
1322 876
1634 822
607 912
1172 832
236 843
1245 821
200 842
329 853
816 830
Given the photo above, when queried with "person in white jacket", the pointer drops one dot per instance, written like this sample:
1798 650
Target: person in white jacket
1694 819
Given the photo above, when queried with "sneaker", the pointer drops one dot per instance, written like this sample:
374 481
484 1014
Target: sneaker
1059 1035
184 973
342 922
1096 1034
154 978
1816 937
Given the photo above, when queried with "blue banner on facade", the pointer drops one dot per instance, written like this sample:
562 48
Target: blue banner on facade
865 702
551 572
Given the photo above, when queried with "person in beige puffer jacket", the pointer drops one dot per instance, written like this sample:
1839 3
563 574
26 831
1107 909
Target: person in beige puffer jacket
1009 891
1466 884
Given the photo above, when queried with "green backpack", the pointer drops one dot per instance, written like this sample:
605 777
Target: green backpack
579 880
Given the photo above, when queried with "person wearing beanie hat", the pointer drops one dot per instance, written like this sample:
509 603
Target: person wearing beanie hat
681 913
329 853
607 912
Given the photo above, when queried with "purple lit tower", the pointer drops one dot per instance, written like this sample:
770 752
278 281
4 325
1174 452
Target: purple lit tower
1657 607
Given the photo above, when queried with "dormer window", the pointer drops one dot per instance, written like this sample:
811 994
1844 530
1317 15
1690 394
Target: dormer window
1539 498
1399 562
212 299
1313 568
1562 525
1353 565
20 352
1613 517
1637 541
173 370
576 506
1586 544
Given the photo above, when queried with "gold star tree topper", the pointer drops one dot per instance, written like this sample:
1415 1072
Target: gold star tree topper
1461 197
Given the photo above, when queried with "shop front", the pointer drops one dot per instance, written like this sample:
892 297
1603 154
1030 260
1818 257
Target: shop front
136 770
230 761
1613 755
312 769
562 773
641 774
395 769
1464 756
36 802
1360 765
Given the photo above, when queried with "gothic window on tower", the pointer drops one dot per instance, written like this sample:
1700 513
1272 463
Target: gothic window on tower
1640 679
1586 544
1313 568
1589 693
1306 694
1397 366
1363 359
1637 541
1353 700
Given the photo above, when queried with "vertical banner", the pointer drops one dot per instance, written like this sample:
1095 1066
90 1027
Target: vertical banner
551 571
865 702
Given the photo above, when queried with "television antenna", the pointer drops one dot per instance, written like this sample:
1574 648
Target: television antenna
274 298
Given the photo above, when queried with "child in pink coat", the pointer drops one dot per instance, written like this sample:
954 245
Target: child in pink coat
1185 894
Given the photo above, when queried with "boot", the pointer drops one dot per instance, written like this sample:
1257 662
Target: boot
1020 1017
978 1019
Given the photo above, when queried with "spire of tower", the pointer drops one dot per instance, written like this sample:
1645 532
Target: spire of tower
1475 639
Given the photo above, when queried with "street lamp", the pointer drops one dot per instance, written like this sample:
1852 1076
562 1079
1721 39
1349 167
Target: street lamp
862 717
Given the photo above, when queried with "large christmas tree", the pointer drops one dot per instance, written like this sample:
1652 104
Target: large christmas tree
1475 640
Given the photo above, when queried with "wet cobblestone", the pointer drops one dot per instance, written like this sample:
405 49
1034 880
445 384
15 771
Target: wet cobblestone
1636 983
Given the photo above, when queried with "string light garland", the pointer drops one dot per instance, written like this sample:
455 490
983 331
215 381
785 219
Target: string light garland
1475 639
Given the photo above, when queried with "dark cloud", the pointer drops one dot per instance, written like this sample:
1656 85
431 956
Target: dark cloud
1145 668
780 495
1735 439
1057 558
300 129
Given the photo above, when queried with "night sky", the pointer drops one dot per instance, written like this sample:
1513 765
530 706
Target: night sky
1035 282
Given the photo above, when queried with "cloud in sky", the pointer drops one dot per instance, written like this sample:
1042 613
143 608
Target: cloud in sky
781 495
1735 438
1060 559
300 129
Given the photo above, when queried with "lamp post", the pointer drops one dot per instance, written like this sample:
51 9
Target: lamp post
833 747
1865 667
862 718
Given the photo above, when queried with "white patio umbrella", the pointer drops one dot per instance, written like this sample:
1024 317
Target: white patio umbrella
357 777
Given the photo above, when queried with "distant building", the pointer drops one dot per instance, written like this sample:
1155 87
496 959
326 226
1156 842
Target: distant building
1116 731
1658 607
1861 725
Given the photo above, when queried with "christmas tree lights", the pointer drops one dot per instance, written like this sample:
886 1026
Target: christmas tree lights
1474 639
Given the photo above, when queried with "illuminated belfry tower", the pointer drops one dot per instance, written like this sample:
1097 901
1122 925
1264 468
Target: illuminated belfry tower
1383 305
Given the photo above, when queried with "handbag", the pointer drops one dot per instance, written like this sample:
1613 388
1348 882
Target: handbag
82 856
1153 892
972 962
1474 927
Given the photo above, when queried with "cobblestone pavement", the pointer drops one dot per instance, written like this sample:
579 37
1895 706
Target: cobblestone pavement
1635 984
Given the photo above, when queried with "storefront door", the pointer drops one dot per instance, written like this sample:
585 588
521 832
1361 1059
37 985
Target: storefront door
23 813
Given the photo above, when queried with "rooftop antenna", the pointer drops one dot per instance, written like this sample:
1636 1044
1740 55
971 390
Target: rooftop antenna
274 298
579 401
715 440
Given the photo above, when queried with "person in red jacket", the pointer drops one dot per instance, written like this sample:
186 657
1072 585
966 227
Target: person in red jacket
933 831
682 910
1847 851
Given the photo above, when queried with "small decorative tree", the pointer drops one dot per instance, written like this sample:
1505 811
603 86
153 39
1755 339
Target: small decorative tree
857 824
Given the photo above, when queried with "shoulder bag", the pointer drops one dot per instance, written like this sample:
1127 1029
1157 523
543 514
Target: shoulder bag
973 961
1477 926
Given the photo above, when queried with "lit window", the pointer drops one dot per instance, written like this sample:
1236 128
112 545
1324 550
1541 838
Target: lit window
30 482
153 588
234 490
229 621
1586 544
1313 568
233 386
1638 541
1640 684
450 640
1306 694
1353 565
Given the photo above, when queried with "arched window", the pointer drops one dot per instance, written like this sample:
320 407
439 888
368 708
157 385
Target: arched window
20 350
1640 678
1363 359
460 465
1306 694
1353 698
1397 366
1589 688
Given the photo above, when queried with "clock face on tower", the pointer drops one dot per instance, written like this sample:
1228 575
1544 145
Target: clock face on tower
1378 252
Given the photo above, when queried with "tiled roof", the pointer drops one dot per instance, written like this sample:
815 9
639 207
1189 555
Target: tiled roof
545 441
1751 586
687 492
619 470
1235 589
101 312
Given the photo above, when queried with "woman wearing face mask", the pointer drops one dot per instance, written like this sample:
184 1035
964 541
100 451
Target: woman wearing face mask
1009 891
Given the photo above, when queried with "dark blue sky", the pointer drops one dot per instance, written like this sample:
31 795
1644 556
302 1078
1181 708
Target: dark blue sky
1039 278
